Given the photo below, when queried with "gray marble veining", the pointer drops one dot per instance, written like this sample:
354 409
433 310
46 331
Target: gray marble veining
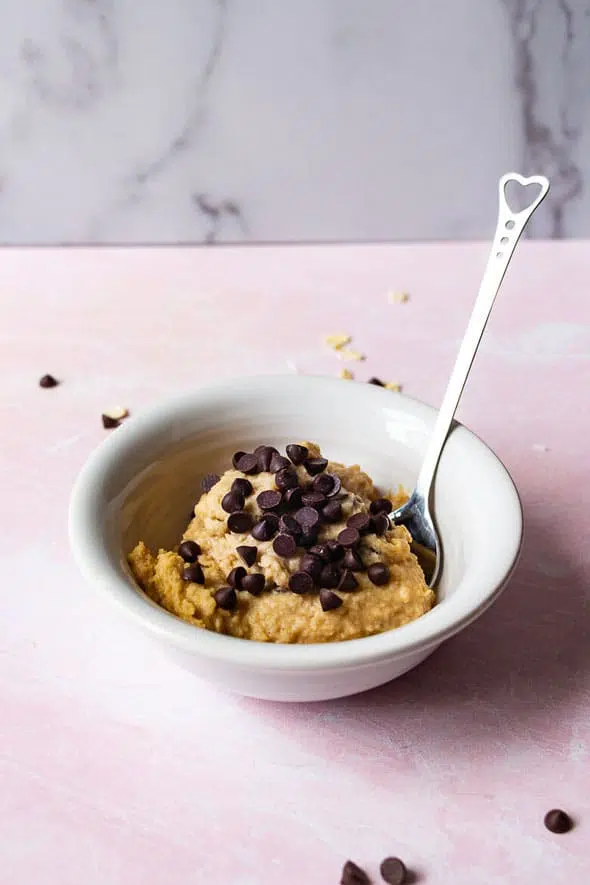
251 120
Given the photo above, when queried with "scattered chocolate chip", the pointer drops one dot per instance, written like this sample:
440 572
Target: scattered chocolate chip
286 478
378 574
297 453
293 498
380 524
336 550
247 554
377 382
332 511
348 581
307 517
236 576
330 576
226 598
266 528
381 505
327 483
264 455
285 546
269 500
288 525
239 522
353 875
312 565
243 486
308 537
249 464
313 499
359 521
301 582
236 457
329 600
48 381
254 584
558 821
315 465
189 550
393 871
209 480
349 537
353 562
193 573
278 462
109 423
321 550
232 502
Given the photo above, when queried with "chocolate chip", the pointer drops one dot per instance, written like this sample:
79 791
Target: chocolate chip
297 453
312 565
348 537
378 574
332 511
209 480
239 522
321 550
558 821
308 537
353 561
254 584
109 423
380 524
236 457
381 505
336 550
48 381
226 598
266 528
286 478
269 500
393 871
329 600
313 499
243 486
249 464
232 501
189 550
330 576
277 462
236 576
359 521
264 455
377 382
293 498
348 581
285 545
315 465
193 573
353 875
288 525
327 483
301 582
247 554
307 517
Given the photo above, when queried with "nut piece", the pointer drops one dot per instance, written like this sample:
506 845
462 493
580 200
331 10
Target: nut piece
397 297
346 375
338 340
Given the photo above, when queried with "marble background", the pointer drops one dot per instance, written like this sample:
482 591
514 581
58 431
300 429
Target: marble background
254 120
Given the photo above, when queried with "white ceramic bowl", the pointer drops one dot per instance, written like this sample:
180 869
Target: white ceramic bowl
143 480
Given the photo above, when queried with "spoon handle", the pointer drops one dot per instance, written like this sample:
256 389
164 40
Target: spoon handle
508 230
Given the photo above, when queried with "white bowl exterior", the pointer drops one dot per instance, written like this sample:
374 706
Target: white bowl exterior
142 481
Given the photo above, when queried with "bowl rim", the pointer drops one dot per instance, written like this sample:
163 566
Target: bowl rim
98 567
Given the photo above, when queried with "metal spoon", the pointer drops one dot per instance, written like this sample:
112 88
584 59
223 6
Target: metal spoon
416 514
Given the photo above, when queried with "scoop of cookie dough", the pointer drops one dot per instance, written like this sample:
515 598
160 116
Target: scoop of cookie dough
314 533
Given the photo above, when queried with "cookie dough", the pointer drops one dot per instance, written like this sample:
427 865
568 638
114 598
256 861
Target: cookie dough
328 566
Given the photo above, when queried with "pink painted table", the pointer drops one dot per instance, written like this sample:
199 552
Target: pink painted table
116 768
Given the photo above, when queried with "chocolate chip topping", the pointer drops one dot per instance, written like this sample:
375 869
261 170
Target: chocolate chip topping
329 600
277 462
312 565
349 537
254 584
297 453
353 875
109 423
380 524
269 500
301 582
236 458
247 554
48 381
377 382
308 537
327 483
353 561
315 465
266 528
193 573
378 574
307 518
232 501
381 505
314 499
321 550
226 598
359 521
558 821
209 480
285 546
243 486
293 498
265 455
330 576
239 522
249 464
348 581
332 511
288 525
286 478
336 550
189 550
393 871
236 576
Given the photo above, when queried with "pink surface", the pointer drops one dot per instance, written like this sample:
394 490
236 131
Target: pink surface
116 768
